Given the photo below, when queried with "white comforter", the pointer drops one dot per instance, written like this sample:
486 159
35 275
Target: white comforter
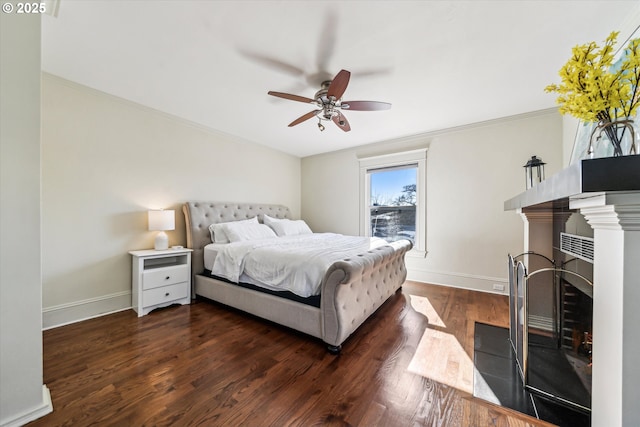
292 263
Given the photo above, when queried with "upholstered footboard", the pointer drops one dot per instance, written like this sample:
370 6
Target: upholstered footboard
355 288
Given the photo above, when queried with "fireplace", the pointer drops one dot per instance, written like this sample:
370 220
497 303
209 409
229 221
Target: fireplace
551 319
606 192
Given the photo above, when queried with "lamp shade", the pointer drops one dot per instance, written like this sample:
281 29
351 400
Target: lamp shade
161 220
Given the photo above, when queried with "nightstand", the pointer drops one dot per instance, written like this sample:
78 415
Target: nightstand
160 278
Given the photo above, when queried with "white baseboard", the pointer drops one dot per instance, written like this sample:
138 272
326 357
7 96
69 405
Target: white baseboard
46 407
64 314
459 280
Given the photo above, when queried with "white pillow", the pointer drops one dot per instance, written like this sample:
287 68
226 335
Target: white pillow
287 227
217 231
239 232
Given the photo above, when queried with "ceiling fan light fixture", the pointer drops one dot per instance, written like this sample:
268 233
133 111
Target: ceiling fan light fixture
328 101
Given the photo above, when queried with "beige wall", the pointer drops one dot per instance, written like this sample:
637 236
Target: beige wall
22 394
471 171
105 162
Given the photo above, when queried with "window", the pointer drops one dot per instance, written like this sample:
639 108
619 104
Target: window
392 202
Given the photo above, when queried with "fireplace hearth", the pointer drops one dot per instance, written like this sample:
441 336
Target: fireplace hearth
497 380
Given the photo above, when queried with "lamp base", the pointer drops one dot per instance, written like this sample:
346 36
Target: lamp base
162 241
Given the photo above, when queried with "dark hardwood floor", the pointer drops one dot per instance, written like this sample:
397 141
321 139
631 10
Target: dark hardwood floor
205 364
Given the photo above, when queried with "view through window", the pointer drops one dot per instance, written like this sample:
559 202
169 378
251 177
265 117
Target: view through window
393 201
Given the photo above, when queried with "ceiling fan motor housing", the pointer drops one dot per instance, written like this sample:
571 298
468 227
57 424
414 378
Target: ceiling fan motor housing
324 88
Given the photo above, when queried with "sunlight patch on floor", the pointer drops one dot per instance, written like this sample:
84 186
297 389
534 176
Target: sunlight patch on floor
423 306
440 357
488 393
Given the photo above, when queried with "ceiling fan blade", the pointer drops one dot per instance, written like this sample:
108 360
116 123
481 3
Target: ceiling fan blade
342 122
327 41
371 72
339 84
301 119
291 97
365 105
273 63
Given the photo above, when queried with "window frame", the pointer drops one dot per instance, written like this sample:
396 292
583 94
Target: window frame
370 164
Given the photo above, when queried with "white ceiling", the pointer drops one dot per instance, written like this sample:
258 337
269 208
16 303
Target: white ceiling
440 63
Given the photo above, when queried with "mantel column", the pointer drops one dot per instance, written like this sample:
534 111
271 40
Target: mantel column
538 232
615 219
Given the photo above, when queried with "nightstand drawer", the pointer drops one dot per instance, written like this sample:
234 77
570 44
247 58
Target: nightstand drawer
165 294
165 276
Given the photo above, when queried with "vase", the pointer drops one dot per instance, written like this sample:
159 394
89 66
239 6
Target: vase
617 137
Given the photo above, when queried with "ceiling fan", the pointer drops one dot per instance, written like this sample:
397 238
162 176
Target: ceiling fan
329 103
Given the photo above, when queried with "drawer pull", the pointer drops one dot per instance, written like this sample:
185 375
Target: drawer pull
167 294
167 278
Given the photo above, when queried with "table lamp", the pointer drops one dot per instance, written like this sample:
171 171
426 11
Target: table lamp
161 220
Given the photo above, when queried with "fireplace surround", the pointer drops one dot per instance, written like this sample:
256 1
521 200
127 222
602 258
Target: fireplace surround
606 192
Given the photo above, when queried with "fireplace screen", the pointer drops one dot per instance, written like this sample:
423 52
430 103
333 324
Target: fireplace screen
552 344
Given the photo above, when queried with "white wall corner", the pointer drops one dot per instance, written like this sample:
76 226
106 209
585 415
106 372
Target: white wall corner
46 407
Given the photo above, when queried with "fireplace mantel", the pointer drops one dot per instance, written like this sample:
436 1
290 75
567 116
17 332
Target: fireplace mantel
607 174
607 193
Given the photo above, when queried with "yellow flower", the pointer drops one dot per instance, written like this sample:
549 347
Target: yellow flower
594 89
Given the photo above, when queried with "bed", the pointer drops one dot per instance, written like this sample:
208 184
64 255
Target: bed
350 290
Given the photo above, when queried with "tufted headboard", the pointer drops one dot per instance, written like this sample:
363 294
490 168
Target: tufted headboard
199 215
